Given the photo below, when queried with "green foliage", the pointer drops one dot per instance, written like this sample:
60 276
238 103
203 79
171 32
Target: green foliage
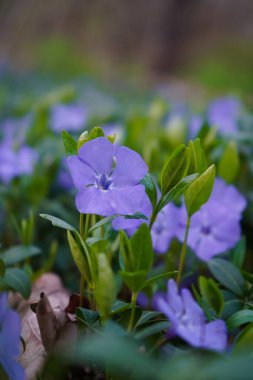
175 168
69 143
229 163
105 289
199 191
211 295
17 280
228 275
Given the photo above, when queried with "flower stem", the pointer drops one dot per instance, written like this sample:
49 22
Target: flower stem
133 303
81 290
183 252
81 231
86 227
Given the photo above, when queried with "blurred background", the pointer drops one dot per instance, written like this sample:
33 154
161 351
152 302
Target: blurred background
172 45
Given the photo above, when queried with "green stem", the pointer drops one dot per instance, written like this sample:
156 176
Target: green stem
86 227
81 225
81 290
183 252
131 320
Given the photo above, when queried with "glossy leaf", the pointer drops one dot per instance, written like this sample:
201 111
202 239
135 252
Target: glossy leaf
211 294
228 275
17 280
229 163
142 249
150 188
134 280
199 191
70 145
19 253
198 161
175 168
240 318
58 222
78 256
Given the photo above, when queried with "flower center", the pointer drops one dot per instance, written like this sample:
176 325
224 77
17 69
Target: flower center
206 230
103 182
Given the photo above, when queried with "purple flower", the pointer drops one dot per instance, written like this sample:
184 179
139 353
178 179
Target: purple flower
69 117
215 228
188 320
15 163
164 228
114 129
223 113
10 340
194 126
107 178
14 131
131 225
162 231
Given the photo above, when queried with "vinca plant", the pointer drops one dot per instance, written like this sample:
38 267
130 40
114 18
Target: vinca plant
126 240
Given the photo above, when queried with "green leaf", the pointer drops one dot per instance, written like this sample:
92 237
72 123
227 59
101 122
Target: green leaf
211 294
2 268
245 339
228 275
153 329
70 145
198 161
199 191
229 163
79 257
86 136
150 188
109 219
142 249
238 253
174 193
58 222
134 280
147 316
105 287
19 253
240 318
17 280
166 275
120 306
126 253
89 316
175 168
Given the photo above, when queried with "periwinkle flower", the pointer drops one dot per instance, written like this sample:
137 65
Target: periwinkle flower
164 228
69 117
215 228
107 178
10 341
223 113
188 320
15 163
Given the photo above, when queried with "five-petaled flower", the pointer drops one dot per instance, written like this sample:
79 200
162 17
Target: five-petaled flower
107 178
215 228
10 340
188 320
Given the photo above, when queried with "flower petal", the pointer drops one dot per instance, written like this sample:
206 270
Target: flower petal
216 336
95 201
130 167
98 154
81 173
12 368
126 200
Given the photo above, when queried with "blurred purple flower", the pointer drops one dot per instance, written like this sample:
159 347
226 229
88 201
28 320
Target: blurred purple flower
162 231
14 130
64 178
215 228
224 113
114 129
10 340
188 320
164 228
15 163
107 178
68 117
194 126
